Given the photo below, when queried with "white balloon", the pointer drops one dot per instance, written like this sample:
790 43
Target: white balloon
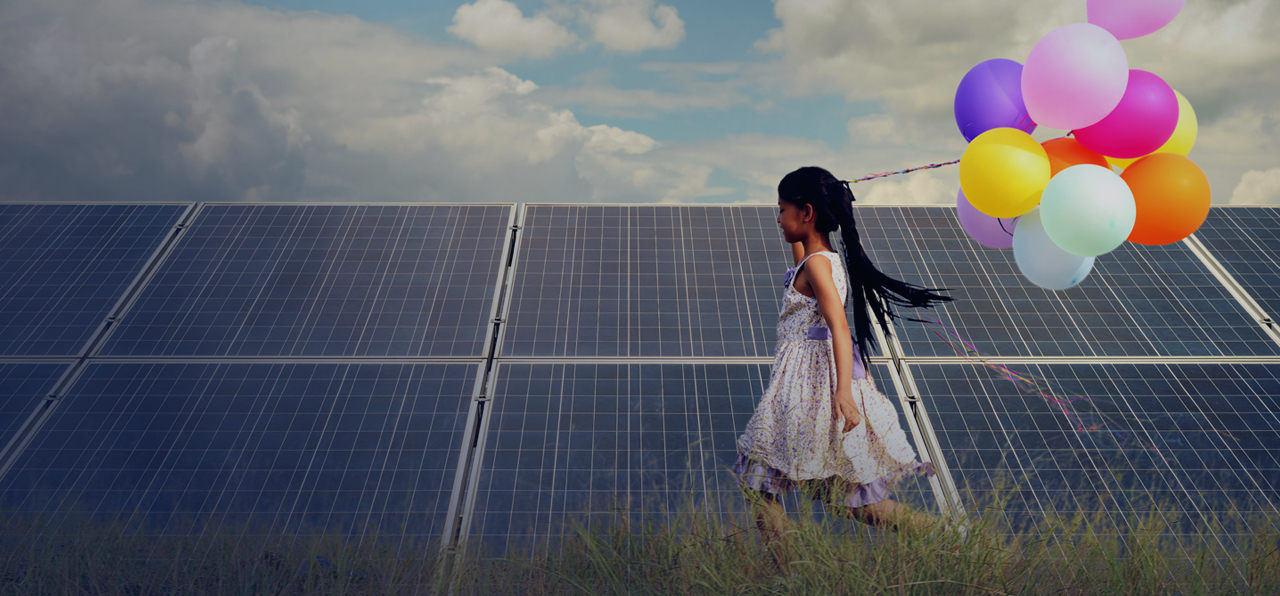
1043 262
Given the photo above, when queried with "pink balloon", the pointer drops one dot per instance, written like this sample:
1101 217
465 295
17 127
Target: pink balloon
1127 19
1074 76
1143 121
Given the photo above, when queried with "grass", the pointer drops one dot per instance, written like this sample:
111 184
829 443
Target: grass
692 551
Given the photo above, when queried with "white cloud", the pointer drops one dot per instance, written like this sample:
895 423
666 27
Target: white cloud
607 139
499 26
919 188
1258 187
235 126
146 100
874 128
484 117
607 100
760 160
634 25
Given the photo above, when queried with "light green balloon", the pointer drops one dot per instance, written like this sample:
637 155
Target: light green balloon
1088 210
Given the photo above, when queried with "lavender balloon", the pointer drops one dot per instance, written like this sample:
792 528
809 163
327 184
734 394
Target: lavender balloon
990 96
992 232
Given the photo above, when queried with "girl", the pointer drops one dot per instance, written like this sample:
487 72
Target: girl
820 376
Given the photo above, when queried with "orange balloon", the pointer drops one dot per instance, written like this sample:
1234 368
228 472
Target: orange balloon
1066 152
1172 197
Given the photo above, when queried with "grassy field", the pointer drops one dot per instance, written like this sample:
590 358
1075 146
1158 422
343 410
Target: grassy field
691 551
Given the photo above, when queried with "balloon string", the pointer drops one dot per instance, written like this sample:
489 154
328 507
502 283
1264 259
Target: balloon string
1064 405
925 167
895 173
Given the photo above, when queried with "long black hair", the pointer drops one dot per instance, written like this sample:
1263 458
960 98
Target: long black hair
832 200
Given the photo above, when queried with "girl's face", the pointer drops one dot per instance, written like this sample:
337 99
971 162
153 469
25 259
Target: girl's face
790 219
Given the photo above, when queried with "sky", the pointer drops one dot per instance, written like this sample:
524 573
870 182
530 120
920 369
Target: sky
573 101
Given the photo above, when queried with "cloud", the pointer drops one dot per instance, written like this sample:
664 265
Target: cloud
908 56
499 26
760 160
920 188
633 25
93 113
607 100
1258 187
145 100
484 117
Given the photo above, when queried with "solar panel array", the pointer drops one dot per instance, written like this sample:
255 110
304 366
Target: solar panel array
483 373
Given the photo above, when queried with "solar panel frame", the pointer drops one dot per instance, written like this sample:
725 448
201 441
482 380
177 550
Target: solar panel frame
1244 242
24 386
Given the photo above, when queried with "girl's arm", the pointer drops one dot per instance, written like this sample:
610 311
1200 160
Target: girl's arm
824 289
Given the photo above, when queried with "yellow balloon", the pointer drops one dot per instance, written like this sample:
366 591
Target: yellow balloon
1183 138
1003 171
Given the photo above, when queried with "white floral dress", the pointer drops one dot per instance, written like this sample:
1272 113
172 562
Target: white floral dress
791 439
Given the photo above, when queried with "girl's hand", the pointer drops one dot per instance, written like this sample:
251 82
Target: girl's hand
842 406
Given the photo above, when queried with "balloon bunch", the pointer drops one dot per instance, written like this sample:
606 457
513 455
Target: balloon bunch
1060 203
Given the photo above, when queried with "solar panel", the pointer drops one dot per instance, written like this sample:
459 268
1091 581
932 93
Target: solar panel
22 388
1137 301
661 281
1112 437
63 268
577 440
292 448
1246 241
323 280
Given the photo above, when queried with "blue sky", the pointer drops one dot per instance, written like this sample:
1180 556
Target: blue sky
636 101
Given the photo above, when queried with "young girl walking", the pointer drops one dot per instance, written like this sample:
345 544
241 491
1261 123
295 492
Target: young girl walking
821 424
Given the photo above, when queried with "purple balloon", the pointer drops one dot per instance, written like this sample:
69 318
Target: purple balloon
990 96
992 232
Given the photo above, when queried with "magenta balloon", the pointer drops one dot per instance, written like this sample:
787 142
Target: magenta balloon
1074 76
1127 19
992 232
1144 120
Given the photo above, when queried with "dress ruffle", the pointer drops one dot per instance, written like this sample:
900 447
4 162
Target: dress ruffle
759 476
